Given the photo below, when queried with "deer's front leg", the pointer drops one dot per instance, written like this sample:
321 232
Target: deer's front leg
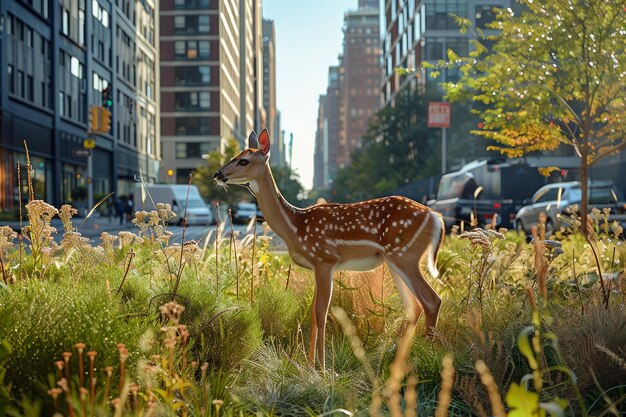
313 338
323 293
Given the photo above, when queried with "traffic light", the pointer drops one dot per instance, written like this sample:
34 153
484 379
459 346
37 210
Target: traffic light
107 101
94 118
105 121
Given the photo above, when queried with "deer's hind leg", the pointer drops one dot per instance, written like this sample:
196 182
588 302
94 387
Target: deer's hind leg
409 272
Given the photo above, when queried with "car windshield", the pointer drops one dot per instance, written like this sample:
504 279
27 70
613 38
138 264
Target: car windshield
462 185
246 207
574 194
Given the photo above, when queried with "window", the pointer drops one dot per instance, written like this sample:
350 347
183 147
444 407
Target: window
65 24
192 126
203 24
30 88
484 16
439 14
196 100
20 83
191 4
81 27
550 194
179 23
191 24
434 49
192 75
191 49
192 149
11 80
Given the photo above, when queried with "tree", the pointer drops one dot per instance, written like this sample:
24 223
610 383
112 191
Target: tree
398 148
288 182
555 75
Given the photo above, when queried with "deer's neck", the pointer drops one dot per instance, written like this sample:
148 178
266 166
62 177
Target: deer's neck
279 214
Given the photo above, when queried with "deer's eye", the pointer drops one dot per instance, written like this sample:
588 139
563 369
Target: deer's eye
243 162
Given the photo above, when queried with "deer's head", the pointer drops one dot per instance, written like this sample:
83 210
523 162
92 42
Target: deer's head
249 164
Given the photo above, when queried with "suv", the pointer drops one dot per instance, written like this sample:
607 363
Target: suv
244 212
554 199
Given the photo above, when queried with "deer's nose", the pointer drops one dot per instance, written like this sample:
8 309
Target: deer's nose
219 175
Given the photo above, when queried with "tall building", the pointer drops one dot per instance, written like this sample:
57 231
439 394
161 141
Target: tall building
352 95
424 30
58 58
272 120
208 79
362 75
330 133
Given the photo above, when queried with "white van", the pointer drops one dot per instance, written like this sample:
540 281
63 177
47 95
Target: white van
145 198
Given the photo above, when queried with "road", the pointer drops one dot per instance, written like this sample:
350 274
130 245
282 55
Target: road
93 227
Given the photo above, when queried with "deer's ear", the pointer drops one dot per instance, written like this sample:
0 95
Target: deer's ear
264 141
253 141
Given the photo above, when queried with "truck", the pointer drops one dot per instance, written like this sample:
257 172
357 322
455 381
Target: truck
484 191
198 212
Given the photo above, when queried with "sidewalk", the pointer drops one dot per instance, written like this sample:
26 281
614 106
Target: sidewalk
91 227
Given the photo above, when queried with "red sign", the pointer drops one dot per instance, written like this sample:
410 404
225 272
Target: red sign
438 114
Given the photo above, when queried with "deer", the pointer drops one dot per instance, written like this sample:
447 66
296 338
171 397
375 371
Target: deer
329 237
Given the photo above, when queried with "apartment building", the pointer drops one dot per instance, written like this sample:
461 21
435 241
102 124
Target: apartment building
210 58
423 30
58 58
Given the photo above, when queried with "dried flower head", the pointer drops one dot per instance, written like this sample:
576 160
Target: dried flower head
6 238
66 214
172 311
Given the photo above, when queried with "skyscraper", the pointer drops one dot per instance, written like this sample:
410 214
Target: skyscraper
352 95
272 120
210 50
57 60
362 75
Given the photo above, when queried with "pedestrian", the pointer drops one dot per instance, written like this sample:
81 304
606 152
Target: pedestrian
119 208
110 208
130 208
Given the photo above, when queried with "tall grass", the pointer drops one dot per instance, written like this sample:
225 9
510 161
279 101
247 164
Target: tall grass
239 346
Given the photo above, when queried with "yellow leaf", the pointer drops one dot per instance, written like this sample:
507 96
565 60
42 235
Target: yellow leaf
522 402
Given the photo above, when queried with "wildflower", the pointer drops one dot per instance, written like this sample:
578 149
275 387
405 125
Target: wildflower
66 214
172 311
74 240
165 212
477 237
107 242
128 238
6 238
140 221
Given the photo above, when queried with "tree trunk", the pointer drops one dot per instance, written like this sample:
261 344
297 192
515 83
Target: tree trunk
584 167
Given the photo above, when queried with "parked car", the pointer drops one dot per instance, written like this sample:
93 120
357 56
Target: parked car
555 199
198 212
244 212
484 190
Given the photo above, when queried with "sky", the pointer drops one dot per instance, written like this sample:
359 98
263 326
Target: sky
308 41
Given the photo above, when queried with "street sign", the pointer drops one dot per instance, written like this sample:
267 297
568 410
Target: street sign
81 152
89 143
438 114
